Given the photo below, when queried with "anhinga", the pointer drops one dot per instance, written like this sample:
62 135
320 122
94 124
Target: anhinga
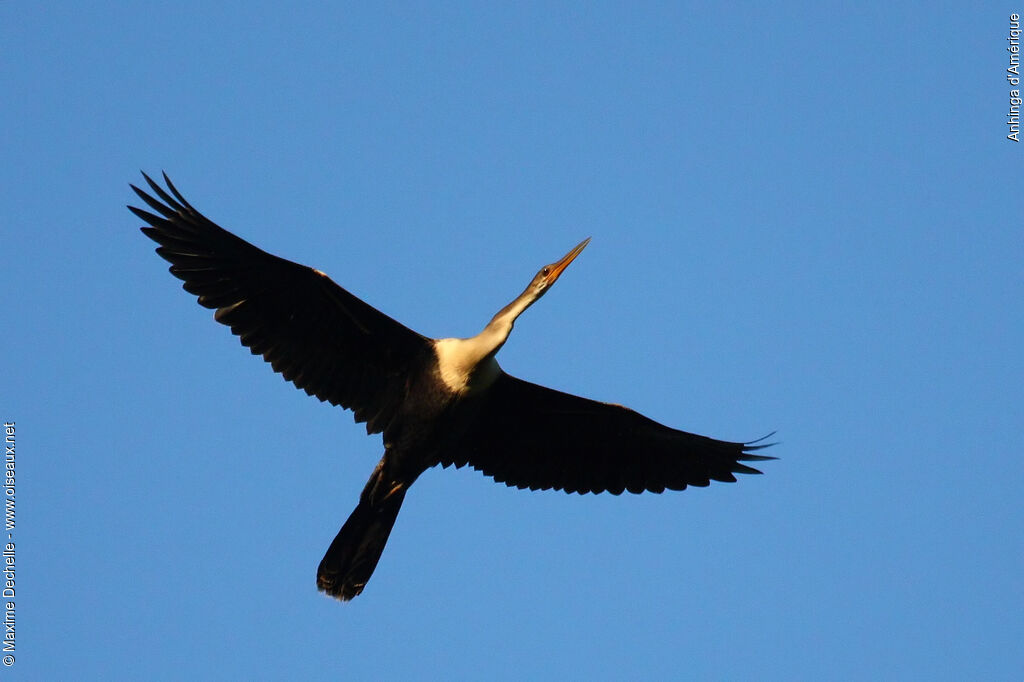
436 401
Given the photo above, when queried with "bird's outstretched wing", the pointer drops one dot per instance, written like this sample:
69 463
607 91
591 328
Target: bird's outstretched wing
529 436
317 335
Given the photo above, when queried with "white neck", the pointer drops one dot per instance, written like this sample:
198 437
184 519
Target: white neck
468 364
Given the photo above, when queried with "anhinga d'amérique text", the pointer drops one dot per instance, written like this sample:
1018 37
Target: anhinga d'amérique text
436 401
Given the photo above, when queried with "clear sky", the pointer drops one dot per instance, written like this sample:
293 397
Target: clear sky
805 219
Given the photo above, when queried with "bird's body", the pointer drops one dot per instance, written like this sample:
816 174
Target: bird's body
435 401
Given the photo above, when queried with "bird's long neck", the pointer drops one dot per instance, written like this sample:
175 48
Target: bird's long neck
460 359
497 330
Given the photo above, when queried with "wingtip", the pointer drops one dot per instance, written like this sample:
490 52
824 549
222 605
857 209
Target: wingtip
764 437
747 454
745 457
140 193
175 192
757 444
152 183
738 468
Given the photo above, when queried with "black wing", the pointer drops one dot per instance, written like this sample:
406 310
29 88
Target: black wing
529 436
317 335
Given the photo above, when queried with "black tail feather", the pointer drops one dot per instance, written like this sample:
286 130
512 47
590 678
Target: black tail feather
352 557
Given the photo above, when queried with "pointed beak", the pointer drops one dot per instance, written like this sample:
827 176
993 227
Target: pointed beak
557 268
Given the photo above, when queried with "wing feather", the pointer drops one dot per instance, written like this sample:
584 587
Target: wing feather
529 436
315 333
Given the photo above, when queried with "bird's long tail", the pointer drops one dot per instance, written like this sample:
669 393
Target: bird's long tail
352 557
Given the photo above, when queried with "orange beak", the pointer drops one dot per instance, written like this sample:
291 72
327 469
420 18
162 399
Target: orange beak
557 268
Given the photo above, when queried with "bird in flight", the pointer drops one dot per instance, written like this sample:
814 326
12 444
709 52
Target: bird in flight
436 401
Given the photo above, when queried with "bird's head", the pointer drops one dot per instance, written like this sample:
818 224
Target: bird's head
547 275
502 323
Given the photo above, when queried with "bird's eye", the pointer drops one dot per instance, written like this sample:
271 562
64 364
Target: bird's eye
546 270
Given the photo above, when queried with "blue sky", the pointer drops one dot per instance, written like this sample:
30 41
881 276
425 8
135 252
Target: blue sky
805 219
